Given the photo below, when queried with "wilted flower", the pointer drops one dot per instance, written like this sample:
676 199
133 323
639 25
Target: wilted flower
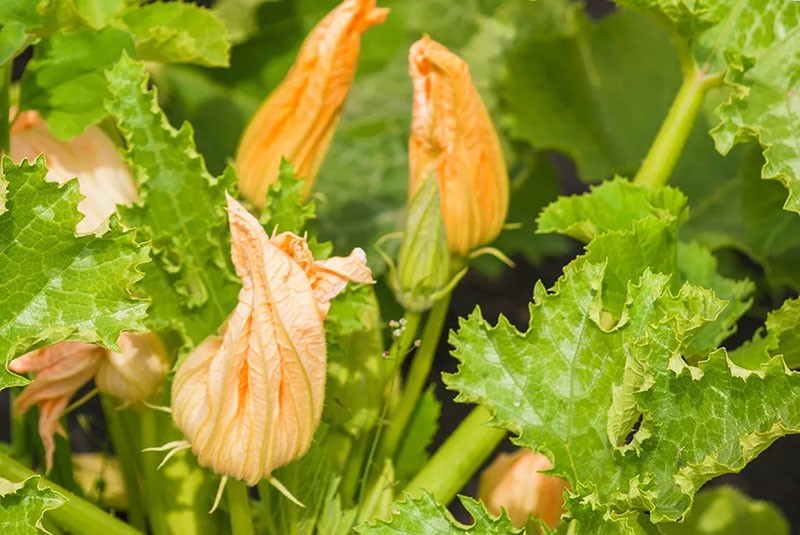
137 371
250 399
103 178
62 369
453 140
299 117
514 482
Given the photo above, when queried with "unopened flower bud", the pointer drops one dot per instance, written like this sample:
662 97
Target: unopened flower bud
137 371
515 483
424 269
103 178
454 142
250 399
298 119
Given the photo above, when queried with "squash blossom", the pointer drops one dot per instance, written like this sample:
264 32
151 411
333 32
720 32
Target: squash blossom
250 399
298 119
103 177
133 375
514 482
453 140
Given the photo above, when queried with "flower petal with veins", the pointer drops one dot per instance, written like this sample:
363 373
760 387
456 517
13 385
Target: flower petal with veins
250 399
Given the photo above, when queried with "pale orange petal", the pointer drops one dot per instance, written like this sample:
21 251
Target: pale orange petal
453 139
60 371
298 119
103 178
137 371
515 483
250 400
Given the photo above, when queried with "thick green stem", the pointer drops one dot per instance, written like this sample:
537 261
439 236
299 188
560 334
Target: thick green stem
671 138
455 462
239 508
5 88
77 515
417 376
128 457
156 510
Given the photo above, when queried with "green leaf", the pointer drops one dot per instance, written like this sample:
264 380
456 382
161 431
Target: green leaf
65 82
594 93
240 17
564 387
57 286
412 453
23 505
782 337
181 212
612 206
23 12
357 371
178 32
765 109
726 511
698 266
286 208
424 515
98 13
13 39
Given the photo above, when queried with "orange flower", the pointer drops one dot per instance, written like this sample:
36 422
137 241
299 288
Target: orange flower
299 117
250 399
453 140
515 483
103 178
62 369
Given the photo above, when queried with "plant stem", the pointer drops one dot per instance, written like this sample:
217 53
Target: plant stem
76 515
156 511
397 353
671 138
5 87
127 455
417 376
239 508
458 458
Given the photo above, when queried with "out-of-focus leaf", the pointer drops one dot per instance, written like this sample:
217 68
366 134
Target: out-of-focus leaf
98 13
13 39
597 93
782 337
22 506
181 212
177 32
57 286
424 515
65 80
726 511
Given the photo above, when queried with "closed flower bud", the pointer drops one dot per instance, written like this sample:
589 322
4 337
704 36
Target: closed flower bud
454 142
103 178
137 371
298 119
250 399
61 370
514 482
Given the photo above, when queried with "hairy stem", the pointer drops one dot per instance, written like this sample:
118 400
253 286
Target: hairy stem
461 455
417 376
77 515
671 138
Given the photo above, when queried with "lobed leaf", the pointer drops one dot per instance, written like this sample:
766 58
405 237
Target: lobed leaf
424 515
23 505
180 212
57 286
